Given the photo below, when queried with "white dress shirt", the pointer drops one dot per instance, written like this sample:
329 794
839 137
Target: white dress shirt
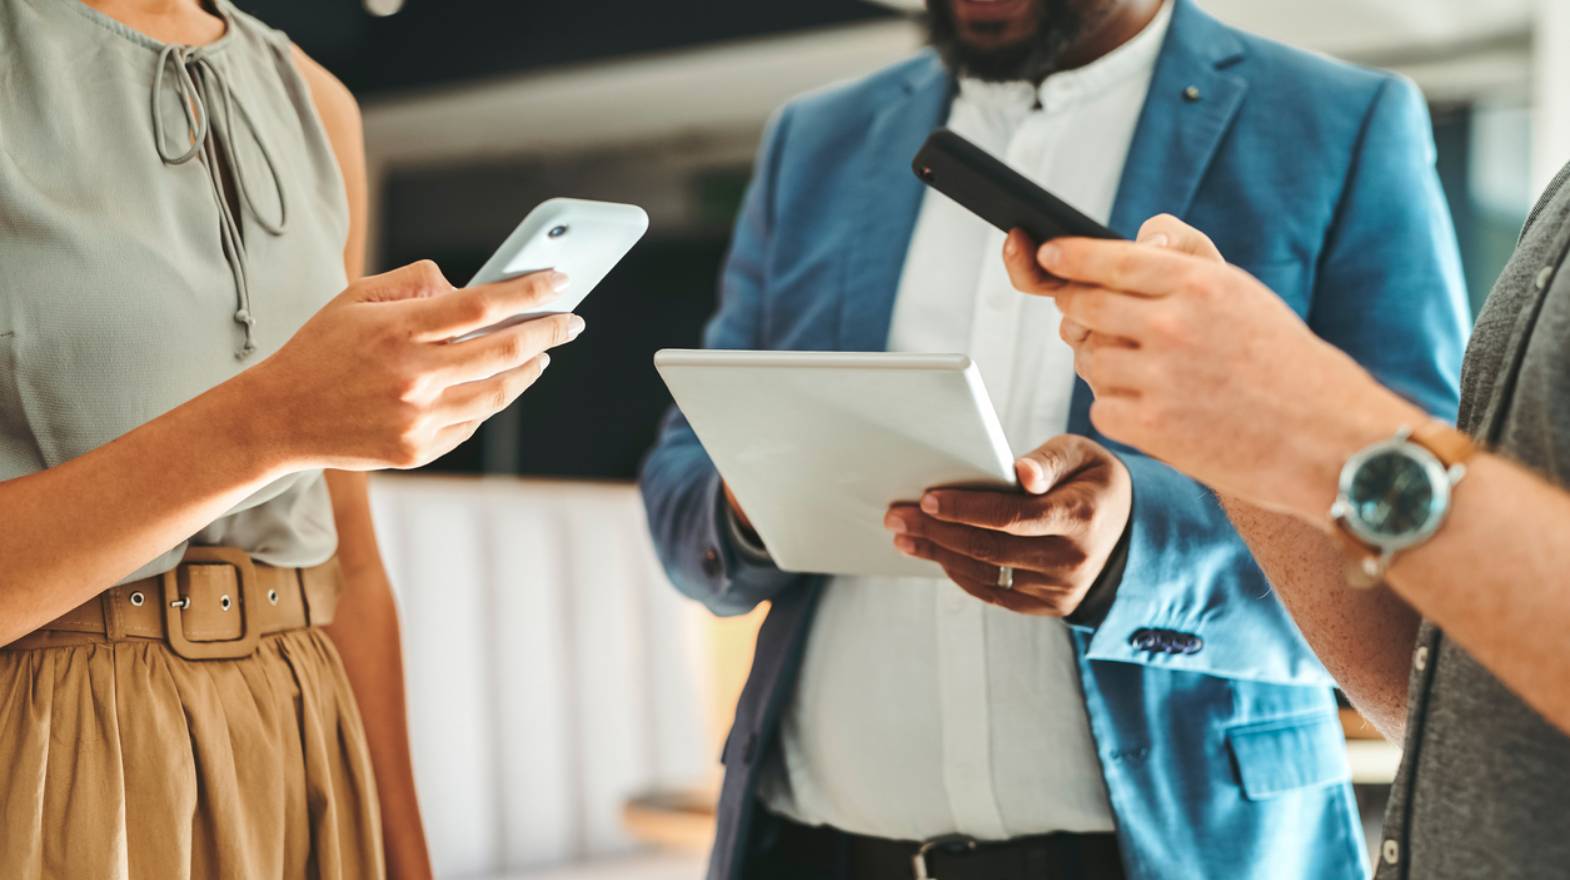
921 711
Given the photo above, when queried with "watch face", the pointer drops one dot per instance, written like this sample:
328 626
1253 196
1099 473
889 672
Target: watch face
1392 495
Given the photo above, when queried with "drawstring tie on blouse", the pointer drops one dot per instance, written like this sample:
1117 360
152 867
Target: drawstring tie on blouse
200 86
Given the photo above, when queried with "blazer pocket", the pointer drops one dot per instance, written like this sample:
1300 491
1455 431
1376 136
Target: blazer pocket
1287 754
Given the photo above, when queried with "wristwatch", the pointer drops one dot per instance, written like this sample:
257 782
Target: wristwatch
1396 494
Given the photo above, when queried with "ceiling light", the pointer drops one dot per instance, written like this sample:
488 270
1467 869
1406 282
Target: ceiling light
383 8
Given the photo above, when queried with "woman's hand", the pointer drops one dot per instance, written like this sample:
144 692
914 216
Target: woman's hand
373 380
1197 363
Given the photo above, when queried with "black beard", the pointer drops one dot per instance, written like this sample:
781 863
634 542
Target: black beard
1033 59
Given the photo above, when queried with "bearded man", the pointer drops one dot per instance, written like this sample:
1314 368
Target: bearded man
1105 686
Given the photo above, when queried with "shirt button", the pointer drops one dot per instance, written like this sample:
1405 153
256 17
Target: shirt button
711 563
1544 275
1421 660
1391 851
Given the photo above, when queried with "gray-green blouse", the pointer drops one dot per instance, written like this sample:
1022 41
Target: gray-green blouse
169 216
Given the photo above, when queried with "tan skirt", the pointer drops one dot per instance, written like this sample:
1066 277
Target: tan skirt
126 761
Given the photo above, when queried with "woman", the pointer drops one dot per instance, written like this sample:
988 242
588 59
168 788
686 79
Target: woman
180 189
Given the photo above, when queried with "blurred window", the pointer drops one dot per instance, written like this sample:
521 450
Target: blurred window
1485 168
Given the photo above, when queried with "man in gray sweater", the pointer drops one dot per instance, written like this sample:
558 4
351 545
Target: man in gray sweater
1429 567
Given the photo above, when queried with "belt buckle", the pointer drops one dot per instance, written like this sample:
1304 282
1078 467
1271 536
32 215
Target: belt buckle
175 604
953 842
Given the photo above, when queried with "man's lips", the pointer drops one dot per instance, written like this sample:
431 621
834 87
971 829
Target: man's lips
988 10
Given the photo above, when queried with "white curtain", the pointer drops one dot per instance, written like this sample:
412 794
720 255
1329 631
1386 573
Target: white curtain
553 672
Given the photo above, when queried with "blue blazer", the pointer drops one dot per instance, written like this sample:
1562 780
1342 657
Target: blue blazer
1219 742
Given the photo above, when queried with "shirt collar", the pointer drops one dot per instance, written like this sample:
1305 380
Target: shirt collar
1134 59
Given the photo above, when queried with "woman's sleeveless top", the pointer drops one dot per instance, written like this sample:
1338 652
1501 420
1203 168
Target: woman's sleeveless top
169 216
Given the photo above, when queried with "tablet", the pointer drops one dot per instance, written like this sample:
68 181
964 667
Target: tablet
817 445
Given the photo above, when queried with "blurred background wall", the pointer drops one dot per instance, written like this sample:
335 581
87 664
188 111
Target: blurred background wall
566 701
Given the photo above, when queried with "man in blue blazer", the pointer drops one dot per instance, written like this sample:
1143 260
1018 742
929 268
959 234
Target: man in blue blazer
1108 686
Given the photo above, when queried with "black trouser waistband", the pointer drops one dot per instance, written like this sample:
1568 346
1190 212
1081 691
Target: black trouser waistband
787 849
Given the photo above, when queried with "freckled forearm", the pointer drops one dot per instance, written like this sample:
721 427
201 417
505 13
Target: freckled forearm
1364 637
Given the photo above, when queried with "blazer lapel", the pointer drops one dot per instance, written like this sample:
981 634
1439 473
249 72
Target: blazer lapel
1192 104
885 204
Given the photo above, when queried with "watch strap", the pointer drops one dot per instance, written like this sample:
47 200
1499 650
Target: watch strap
1366 564
1450 446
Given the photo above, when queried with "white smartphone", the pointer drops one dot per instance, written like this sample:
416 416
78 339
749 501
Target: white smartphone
580 238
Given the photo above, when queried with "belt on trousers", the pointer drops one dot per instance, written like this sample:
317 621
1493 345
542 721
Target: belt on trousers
829 852
215 605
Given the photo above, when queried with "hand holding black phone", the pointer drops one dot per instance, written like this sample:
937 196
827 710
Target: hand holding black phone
990 189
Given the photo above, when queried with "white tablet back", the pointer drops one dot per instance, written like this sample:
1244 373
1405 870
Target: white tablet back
816 445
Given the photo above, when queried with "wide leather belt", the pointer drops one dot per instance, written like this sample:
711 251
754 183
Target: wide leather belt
215 605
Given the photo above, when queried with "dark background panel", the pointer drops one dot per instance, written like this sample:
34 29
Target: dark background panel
438 42
595 412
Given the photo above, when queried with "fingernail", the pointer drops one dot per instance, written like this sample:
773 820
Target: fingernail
1032 472
895 524
557 281
905 543
1011 246
575 326
545 361
929 504
1049 254
1158 240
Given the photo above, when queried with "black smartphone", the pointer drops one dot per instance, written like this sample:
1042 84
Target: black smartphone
996 193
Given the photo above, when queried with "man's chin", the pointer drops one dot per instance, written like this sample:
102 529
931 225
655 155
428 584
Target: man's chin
983 40
1003 62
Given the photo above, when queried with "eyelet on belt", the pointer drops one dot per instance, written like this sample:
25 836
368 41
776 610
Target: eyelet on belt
272 596
223 602
137 598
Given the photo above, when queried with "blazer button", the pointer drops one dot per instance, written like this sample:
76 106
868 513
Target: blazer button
711 563
1166 641
1153 641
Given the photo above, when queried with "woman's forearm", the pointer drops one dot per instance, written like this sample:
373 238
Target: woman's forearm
1364 638
365 630
72 530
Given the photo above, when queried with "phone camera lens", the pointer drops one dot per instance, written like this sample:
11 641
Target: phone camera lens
557 231
926 173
